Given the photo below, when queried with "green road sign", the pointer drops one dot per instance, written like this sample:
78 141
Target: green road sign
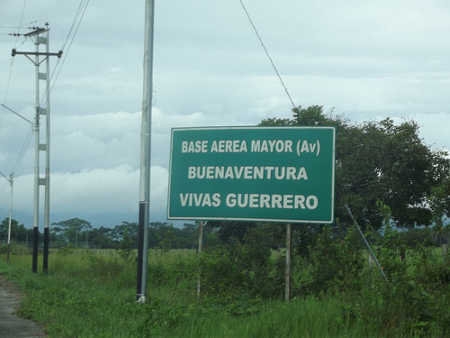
277 174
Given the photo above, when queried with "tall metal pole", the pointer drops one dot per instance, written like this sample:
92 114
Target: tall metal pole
11 182
44 146
144 187
8 248
36 165
46 77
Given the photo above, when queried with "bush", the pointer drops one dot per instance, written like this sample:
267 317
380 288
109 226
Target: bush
334 264
235 269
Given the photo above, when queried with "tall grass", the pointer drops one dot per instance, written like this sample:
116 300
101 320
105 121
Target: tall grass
91 293
311 317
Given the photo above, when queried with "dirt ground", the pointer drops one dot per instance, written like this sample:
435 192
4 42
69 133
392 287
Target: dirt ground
11 325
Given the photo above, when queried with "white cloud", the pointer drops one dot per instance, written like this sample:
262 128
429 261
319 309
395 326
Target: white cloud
109 190
112 191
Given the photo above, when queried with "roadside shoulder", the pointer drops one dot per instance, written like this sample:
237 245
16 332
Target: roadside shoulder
10 324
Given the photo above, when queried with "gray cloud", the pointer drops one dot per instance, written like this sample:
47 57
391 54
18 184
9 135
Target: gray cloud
368 60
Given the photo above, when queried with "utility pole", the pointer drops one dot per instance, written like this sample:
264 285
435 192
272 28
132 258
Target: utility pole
11 181
146 127
41 37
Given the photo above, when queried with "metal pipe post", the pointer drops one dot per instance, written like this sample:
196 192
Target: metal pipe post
200 249
144 188
288 262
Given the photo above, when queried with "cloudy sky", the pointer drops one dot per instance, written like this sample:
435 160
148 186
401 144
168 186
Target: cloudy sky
365 59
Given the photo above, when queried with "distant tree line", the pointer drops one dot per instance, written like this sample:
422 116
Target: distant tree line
80 233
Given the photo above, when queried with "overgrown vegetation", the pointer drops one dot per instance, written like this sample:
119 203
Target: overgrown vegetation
336 292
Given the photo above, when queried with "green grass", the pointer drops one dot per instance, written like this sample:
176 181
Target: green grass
311 317
92 294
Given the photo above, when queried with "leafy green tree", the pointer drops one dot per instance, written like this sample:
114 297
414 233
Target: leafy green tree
131 230
310 116
167 238
101 238
304 238
440 203
416 237
440 200
18 231
379 160
185 238
74 231
405 170
231 231
126 247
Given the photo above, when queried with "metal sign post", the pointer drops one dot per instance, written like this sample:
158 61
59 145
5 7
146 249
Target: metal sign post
144 187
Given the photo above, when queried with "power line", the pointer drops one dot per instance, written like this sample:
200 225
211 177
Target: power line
11 65
23 150
75 24
28 138
57 69
267 53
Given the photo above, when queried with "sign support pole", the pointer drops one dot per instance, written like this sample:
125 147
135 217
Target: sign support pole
144 187
288 262
200 248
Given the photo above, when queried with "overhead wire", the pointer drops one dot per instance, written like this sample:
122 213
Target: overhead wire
4 185
23 150
28 138
11 66
267 53
57 69
75 24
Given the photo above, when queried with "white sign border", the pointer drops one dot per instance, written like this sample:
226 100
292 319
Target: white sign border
252 219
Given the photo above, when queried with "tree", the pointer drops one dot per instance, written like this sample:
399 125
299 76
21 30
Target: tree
310 116
73 230
440 199
187 237
230 231
101 238
382 161
130 228
18 232
379 160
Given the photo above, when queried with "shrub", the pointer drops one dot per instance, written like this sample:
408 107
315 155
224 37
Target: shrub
334 264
